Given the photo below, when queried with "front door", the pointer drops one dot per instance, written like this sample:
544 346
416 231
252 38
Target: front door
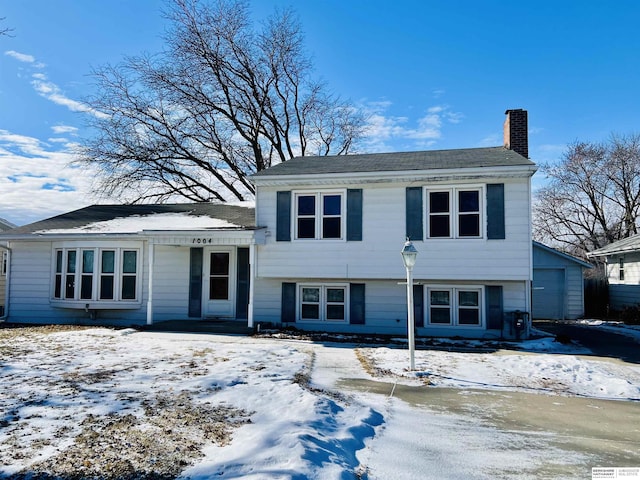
219 285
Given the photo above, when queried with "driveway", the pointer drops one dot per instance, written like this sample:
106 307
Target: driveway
444 433
602 343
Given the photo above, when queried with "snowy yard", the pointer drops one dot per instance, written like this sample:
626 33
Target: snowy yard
85 403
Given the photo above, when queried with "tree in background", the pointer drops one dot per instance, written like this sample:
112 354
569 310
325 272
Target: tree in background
593 195
222 102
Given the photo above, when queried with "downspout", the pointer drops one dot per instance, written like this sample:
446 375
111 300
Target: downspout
150 292
252 282
529 283
7 285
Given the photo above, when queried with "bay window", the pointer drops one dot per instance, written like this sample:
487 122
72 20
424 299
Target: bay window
96 274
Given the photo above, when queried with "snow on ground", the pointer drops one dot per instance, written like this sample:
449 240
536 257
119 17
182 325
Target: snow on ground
284 417
551 373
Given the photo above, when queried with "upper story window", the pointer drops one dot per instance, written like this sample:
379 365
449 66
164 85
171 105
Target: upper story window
96 274
3 266
454 213
319 215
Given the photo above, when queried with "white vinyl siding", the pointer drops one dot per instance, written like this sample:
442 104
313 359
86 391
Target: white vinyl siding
31 289
383 234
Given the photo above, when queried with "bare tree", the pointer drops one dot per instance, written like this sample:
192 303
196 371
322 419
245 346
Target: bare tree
223 101
5 30
592 197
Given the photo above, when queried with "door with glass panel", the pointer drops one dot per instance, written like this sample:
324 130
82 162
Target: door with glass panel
219 282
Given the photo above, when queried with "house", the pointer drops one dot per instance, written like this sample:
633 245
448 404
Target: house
4 226
622 268
321 251
133 264
336 225
558 284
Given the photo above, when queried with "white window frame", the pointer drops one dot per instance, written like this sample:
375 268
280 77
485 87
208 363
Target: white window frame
323 287
454 306
3 266
95 301
454 210
318 214
621 269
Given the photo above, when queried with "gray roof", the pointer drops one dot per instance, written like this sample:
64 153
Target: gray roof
399 161
566 256
5 225
238 215
629 244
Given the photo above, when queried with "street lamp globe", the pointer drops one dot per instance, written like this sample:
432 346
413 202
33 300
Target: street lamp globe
409 254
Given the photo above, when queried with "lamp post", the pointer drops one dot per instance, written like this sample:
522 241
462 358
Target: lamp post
409 254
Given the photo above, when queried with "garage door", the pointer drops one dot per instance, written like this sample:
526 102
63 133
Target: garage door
548 293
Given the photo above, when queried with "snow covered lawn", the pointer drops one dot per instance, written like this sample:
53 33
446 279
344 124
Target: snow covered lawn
102 403
553 373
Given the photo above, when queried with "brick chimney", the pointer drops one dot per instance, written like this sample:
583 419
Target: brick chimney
516 137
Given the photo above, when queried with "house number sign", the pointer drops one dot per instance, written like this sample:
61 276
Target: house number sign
201 240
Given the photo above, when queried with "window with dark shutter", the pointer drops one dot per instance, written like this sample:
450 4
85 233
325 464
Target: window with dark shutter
414 213
495 211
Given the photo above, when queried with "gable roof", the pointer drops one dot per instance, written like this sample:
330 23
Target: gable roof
5 225
81 221
399 161
560 254
629 244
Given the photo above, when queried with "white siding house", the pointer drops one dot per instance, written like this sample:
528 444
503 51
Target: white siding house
622 263
4 257
133 264
336 225
321 251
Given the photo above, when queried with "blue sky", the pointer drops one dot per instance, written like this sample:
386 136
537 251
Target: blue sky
432 75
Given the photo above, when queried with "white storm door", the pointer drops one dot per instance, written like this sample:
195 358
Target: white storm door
219 282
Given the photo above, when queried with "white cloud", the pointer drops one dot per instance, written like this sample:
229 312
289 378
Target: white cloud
36 180
51 91
21 57
64 129
386 132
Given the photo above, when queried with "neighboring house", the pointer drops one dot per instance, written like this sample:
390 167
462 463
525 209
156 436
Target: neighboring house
320 252
558 284
622 266
4 226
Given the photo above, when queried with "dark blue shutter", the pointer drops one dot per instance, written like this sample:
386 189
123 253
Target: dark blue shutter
418 305
354 215
242 283
195 282
283 217
493 307
495 211
414 213
356 303
288 312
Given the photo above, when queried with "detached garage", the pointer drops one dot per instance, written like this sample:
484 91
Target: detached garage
558 285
